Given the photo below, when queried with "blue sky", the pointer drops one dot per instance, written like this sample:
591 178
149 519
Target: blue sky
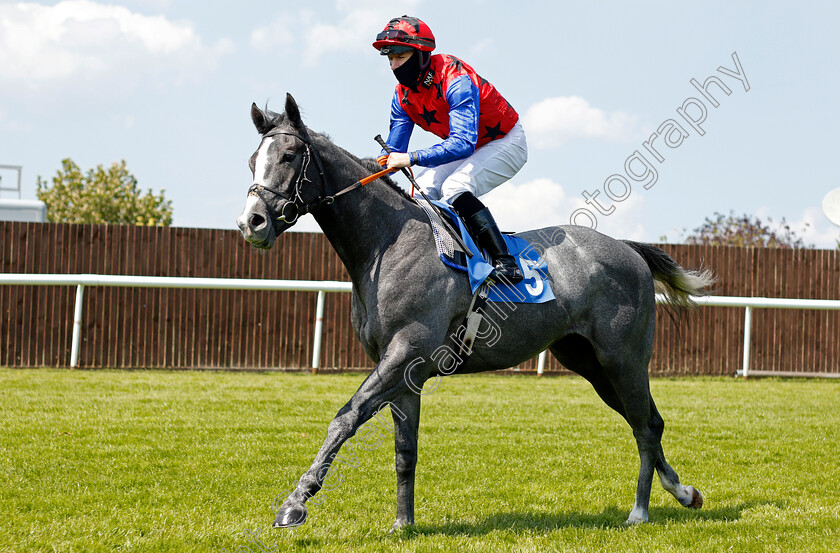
167 86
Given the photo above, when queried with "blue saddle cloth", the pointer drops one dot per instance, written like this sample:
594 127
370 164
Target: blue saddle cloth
534 288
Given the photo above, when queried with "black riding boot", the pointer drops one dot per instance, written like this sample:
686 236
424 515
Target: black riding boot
483 227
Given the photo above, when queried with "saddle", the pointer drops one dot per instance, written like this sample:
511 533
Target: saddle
461 253
534 288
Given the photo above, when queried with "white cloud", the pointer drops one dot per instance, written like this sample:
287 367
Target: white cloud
82 40
351 26
542 203
815 228
555 121
155 5
529 205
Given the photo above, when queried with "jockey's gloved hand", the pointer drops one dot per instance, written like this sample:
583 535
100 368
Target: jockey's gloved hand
382 160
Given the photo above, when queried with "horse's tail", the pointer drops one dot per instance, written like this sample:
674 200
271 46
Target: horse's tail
676 284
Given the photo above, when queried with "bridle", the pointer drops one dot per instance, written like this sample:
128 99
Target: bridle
302 207
299 205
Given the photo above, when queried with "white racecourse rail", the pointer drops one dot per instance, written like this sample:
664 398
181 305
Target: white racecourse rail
80 281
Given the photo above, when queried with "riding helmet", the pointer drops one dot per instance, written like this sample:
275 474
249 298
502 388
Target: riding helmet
404 33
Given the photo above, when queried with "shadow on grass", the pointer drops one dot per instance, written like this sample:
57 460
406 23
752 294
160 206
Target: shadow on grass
610 518
666 515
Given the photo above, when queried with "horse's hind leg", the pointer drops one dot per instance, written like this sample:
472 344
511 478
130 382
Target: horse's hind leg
688 496
625 389
630 398
647 430
648 426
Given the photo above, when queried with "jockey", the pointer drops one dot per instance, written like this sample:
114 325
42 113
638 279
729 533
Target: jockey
483 142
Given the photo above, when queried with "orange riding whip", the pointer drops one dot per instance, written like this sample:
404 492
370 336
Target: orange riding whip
375 176
358 184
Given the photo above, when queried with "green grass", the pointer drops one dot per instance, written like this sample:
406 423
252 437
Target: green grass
186 461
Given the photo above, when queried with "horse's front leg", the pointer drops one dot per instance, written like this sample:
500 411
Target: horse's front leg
406 422
382 386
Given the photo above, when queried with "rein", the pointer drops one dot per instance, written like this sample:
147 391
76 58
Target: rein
301 207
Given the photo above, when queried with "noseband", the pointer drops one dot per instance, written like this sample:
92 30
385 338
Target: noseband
299 205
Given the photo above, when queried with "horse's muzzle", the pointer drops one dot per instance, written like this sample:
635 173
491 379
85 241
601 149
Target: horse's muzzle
255 225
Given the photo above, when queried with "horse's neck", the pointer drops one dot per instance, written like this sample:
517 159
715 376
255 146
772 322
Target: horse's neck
360 224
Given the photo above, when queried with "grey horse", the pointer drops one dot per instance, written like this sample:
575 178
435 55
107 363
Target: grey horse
406 304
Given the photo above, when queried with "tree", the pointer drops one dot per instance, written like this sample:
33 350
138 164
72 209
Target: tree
745 230
101 196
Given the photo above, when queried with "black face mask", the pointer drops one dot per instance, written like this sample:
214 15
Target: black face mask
408 74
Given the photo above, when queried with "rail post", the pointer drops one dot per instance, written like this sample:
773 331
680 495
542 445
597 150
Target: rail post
745 369
319 326
541 363
77 327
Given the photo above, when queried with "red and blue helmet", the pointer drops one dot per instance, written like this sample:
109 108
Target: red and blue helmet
404 33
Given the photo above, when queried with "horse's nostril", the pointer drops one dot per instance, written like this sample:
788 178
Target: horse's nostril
256 220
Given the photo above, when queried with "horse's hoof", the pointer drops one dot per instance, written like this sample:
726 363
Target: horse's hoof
398 525
289 517
636 518
696 499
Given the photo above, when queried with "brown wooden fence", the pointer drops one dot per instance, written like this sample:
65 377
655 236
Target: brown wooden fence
168 328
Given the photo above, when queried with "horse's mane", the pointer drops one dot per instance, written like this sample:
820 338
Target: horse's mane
277 119
370 164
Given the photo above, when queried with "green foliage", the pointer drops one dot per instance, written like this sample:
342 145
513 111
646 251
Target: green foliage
746 230
101 196
172 461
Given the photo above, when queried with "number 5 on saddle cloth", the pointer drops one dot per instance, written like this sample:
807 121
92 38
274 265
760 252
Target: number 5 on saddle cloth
534 288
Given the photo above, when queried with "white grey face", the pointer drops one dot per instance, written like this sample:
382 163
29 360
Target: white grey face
261 163
273 169
254 221
250 205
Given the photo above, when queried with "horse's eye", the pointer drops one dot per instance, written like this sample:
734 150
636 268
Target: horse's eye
288 156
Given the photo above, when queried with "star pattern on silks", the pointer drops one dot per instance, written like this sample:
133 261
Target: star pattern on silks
405 97
439 87
429 116
457 64
494 132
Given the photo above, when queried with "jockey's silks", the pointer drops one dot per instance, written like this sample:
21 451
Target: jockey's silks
453 102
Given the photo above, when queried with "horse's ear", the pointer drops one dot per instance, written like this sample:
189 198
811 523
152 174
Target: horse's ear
260 120
293 112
